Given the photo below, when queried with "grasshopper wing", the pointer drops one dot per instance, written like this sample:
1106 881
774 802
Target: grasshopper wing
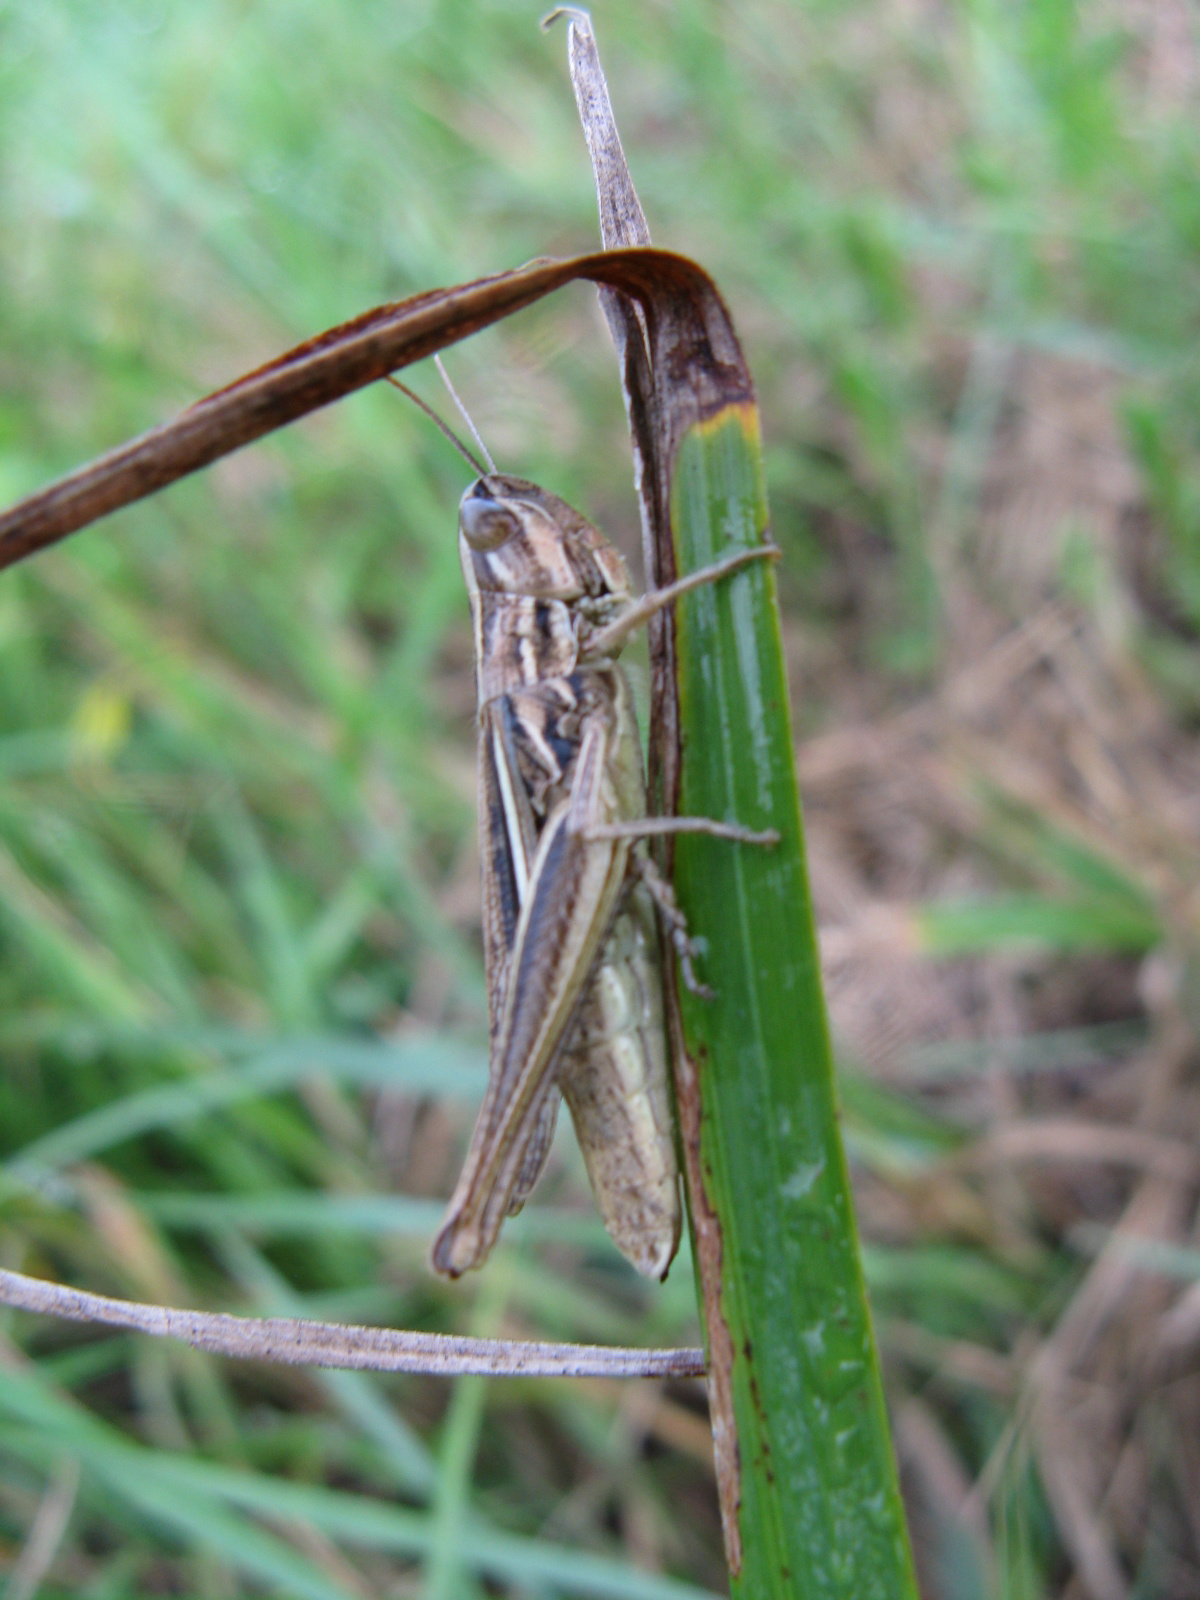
508 845
571 895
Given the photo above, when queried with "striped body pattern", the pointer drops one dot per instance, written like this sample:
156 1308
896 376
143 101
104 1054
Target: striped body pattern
570 943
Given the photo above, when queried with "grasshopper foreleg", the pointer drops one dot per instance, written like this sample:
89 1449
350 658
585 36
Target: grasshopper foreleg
647 827
609 639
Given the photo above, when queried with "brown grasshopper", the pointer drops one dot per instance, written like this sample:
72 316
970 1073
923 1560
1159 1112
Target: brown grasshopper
571 952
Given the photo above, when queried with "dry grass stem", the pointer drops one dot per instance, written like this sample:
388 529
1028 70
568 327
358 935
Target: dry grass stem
299 1343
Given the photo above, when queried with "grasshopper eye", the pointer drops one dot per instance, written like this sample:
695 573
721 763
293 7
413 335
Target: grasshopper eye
485 522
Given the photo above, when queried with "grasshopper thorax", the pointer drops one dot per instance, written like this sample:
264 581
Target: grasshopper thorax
540 577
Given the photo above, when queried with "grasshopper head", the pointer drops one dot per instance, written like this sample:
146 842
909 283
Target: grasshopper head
517 539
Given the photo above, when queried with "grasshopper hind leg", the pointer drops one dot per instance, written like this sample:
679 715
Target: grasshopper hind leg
674 922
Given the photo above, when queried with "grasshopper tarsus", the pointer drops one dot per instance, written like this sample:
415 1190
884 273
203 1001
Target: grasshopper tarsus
687 972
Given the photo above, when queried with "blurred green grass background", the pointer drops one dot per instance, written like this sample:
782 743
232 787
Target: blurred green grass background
243 1014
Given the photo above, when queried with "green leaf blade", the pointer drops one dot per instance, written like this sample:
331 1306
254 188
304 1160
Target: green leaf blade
820 1513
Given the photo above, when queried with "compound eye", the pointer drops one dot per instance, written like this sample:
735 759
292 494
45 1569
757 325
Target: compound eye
486 523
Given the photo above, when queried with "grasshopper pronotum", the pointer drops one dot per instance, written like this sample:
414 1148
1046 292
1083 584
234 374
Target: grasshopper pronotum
570 948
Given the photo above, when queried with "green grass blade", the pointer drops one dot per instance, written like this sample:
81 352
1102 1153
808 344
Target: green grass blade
233 1539
1037 922
1151 1255
1032 1053
358 1395
818 1510
300 1213
191 1495
193 1520
445 1575
416 1067
66 957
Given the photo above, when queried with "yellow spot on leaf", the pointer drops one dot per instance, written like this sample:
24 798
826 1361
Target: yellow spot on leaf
745 412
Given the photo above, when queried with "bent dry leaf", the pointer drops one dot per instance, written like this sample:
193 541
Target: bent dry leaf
679 299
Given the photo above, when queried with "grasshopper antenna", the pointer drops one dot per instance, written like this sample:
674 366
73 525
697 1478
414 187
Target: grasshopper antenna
476 465
464 414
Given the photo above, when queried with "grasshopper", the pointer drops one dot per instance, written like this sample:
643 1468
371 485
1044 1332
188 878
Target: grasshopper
571 951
